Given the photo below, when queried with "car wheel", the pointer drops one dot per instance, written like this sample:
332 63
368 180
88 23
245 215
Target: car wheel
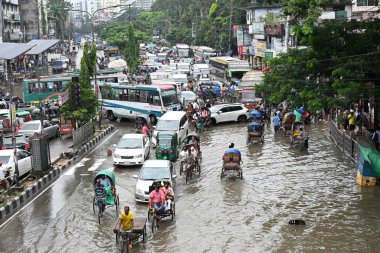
241 118
111 116
213 121
57 133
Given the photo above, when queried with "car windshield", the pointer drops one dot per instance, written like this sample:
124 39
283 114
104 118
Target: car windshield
169 97
154 173
4 159
165 141
167 125
19 139
31 126
58 63
215 109
129 143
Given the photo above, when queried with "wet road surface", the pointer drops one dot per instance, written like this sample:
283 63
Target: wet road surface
280 183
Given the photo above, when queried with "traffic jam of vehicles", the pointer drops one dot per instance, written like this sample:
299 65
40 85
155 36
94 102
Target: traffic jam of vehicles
173 97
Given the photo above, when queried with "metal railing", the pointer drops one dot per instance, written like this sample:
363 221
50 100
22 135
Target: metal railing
82 134
347 144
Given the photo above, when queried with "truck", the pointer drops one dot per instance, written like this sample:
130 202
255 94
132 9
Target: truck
57 57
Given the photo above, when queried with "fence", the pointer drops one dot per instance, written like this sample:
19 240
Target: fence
82 134
344 142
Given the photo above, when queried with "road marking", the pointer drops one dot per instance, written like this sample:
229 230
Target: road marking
47 188
86 174
71 171
96 165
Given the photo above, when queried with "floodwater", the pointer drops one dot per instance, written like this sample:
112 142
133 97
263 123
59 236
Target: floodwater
250 215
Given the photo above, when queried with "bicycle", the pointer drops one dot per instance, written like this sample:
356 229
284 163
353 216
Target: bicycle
123 240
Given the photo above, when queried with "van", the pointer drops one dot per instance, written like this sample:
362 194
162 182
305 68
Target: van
172 121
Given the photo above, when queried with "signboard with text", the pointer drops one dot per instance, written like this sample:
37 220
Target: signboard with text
240 37
260 48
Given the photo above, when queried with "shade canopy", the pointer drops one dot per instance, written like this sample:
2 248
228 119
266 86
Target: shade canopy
41 46
9 51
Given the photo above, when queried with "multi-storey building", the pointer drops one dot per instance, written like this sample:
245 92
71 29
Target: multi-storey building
142 4
11 22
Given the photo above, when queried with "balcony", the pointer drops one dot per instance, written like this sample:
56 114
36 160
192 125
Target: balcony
15 2
12 35
11 16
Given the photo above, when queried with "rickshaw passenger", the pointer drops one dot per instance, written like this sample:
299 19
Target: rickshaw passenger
193 141
157 199
105 181
190 156
169 194
304 136
100 193
145 130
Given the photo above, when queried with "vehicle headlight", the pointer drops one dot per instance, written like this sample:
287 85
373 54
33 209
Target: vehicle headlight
140 191
116 156
138 156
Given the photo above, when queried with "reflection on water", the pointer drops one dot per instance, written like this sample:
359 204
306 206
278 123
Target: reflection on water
231 215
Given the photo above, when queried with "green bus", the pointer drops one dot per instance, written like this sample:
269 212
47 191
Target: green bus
228 67
51 86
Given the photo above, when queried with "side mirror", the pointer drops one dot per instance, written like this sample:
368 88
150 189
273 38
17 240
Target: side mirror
135 177
114 145
174 176
219 112
181 128
154 127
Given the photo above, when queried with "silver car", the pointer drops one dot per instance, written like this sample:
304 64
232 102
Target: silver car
33 127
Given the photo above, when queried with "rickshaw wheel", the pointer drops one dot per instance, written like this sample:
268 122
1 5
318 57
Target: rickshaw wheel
93 204
181 168
149 215
241 175
173 211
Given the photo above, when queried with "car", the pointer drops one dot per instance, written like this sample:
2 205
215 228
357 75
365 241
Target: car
33 127
7 162
172 121
21 142
132 149
229 112
58 66
153 170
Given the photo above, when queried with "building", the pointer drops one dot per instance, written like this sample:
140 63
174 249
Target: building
143 4
78 16
365 9
92 5
11 21
30 19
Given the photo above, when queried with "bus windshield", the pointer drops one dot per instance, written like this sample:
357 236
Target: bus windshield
169 97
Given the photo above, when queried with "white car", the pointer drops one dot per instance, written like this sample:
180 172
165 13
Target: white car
229 112
7 162
153 170
132 149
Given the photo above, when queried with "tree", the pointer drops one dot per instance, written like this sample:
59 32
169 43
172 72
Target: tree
132 50
43 18
91 63
88 100
59 10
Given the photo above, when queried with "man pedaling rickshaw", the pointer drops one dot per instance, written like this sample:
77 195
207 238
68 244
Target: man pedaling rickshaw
100 193
157 200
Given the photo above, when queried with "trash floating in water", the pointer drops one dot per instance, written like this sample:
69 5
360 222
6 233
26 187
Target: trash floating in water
297 222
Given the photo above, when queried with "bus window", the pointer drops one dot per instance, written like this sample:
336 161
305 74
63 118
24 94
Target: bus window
50 86
154 98
144 96
132 95
116 94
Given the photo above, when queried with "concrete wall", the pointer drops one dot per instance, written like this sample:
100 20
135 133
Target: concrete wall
30 14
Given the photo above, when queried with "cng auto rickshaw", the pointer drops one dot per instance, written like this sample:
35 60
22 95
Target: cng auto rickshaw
167 146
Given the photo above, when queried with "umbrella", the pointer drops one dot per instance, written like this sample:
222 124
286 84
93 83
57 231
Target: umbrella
117 64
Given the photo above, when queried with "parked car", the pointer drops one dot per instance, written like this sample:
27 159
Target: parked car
229 112
59 66
7 164
132 149
21 142
153 170
34 128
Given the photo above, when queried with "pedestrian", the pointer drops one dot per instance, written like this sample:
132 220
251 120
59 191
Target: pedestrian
345 118
276 123
352 122
359 121
376 139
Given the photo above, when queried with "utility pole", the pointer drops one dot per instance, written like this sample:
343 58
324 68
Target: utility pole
230 32
287 33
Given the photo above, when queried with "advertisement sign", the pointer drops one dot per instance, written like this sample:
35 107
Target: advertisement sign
268 55
240 37
247 39
261 47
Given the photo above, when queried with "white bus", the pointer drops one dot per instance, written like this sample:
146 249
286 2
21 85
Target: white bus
127 101
202 54
202 70
182 50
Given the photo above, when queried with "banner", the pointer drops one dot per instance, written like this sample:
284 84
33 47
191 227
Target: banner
240 37
63 97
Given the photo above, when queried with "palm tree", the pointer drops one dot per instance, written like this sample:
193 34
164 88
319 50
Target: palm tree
59 9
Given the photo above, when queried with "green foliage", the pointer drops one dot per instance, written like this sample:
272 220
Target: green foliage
88 99
106 91
333 71
43 18
91 63
59 10
132 50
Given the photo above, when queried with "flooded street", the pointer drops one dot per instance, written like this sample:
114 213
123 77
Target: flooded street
250 215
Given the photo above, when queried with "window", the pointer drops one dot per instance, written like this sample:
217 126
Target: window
132 95
183 121
367 2
235 108
224 110
144 96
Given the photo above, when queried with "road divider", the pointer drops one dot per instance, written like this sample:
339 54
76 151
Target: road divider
20 201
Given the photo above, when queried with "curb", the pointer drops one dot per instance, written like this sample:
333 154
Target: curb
29 193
